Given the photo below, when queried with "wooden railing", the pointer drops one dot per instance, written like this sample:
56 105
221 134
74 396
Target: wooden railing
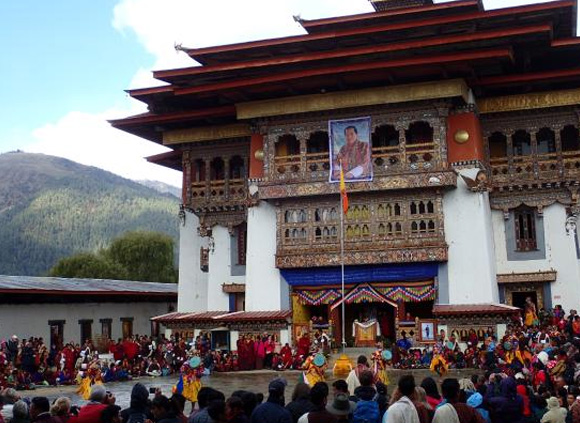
541 167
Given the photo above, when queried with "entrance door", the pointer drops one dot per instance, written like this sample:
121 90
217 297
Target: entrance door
519 298
56 335
384 314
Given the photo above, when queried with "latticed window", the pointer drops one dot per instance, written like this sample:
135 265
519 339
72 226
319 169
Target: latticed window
525 226
242 243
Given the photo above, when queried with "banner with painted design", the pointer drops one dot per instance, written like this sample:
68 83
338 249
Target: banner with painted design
350 147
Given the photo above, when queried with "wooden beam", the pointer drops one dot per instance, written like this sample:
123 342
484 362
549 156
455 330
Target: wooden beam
527 77
500 53
529 101
206 133
356 98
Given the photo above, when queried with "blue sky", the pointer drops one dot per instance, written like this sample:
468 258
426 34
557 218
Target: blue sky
66 64
60 56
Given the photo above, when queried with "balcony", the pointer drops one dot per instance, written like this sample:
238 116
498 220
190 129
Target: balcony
394 151
524 158
217 184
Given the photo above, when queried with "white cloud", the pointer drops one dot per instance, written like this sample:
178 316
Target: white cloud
160 25
90 140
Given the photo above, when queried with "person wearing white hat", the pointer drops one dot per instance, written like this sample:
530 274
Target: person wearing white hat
555 414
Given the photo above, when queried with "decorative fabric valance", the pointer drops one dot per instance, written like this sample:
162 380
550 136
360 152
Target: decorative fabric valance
321 276
409 292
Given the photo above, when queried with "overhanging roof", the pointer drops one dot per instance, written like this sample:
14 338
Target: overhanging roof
473 309
34 285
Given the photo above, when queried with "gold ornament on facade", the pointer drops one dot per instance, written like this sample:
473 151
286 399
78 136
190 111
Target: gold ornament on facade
259 155
461 136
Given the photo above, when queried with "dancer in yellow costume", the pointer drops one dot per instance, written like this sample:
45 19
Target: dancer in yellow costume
88 378
438 363
314 369
190 379
381 359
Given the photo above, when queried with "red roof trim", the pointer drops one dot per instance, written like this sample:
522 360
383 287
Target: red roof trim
402 25
396 46
164 156
148 91
383 64
529 77
388 13
229 110
566 42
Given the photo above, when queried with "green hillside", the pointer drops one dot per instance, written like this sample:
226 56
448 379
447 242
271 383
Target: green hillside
52 207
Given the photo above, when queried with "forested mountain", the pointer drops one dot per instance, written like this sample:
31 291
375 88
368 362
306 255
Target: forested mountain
161 187
52 207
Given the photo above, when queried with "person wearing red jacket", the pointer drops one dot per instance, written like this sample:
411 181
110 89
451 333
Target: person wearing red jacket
98 401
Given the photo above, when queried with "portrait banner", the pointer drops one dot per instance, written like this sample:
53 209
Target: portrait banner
350 147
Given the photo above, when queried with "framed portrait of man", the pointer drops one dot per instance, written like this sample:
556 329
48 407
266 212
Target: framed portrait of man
428 330
350 147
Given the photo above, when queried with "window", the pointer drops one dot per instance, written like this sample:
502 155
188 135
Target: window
546 140
242 233
56 333
570 140
525 227
106 328
127 326
497 145
522 143
86 330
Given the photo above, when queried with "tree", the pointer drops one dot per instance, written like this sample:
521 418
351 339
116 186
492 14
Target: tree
147 256
88 265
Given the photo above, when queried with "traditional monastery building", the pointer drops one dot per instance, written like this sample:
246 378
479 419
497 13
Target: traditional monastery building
466 205
62 310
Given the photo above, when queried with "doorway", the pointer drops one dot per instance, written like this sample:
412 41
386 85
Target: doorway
56 334
519 298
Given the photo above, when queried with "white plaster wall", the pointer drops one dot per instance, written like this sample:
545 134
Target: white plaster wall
234 336
192 281
468 231
560 256
285 337
220 267
27 320
264 288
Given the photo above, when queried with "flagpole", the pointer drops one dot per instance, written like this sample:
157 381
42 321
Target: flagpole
342 269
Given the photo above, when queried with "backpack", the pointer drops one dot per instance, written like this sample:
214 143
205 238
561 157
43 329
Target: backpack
366 412
137 418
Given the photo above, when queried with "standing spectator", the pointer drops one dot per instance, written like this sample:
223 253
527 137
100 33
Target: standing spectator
403 410
300 403
453 411
341 407
508 405
20 412
61 409
555 414
40 411
319 397
273 411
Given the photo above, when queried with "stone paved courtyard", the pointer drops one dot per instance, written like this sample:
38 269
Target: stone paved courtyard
256 381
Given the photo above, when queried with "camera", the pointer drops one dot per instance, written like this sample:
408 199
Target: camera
152 390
